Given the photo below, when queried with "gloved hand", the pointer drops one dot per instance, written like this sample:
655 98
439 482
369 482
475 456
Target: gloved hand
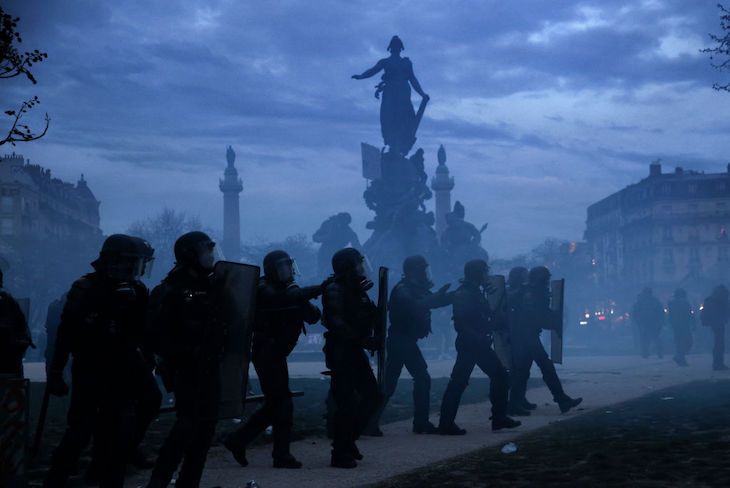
366 284
444 289
56 385
371 343
325 284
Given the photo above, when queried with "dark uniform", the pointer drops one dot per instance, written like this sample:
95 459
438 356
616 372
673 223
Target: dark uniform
411 301
532 313
349 317
190 340
473 324
648 315
681 319
14 335
281 310
516 284
102 327
715 314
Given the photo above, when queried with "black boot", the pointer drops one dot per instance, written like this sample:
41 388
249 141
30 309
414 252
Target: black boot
566 403
238 451
425 428
342 460
527 405
288 462
451 429
505 423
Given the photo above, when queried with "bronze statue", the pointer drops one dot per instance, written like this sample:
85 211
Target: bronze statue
398 121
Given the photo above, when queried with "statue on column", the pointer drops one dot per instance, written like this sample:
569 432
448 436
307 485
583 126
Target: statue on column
398 120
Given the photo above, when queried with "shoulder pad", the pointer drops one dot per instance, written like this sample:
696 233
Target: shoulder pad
83 283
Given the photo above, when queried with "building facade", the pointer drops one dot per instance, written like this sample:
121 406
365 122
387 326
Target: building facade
34 204
667 230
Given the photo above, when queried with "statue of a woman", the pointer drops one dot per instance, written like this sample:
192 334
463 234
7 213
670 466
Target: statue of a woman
398 121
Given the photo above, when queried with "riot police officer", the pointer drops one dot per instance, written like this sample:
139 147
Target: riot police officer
473 321
411 301
102 327
350 318
282 307
14 334
189 338
532 314
516 284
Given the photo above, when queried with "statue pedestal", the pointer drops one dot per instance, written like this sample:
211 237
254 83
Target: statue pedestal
402 227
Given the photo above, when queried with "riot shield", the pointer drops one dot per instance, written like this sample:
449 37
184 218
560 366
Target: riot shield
497 298
235 288
557 292
382 323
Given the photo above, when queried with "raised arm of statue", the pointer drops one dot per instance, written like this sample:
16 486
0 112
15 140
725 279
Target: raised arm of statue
370 72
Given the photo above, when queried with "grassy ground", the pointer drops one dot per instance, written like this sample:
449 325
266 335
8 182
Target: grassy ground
679 436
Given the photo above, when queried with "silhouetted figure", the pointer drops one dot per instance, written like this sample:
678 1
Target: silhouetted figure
334 234
459 234
350 318
189 337
648 315
102 327
530 312
681 319
474 323
53 320
411 301
398 121
715 314
516 285
14 335
282 307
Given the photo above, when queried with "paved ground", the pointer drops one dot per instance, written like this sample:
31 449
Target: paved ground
602 381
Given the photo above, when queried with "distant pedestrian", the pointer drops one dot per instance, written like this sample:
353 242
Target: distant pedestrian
648 316
681 319
715 313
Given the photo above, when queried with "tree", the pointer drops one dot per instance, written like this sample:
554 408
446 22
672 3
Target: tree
161 231
720 53
12 64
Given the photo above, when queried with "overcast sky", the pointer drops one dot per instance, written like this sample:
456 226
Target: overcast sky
543 107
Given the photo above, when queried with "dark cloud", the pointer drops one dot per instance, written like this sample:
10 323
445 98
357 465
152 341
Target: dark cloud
532 99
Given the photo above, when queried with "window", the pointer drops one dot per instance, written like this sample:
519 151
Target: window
667 233
668 257
6 227
722 256
692 188
6 204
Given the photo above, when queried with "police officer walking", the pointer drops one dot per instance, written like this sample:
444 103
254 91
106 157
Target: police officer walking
533 314
350 318
189 338
282 307
681 319
473 323
516 285
411 301
102 327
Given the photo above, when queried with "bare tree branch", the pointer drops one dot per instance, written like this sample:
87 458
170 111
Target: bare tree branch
722 49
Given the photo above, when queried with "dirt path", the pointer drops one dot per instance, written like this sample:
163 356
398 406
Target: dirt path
600 381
